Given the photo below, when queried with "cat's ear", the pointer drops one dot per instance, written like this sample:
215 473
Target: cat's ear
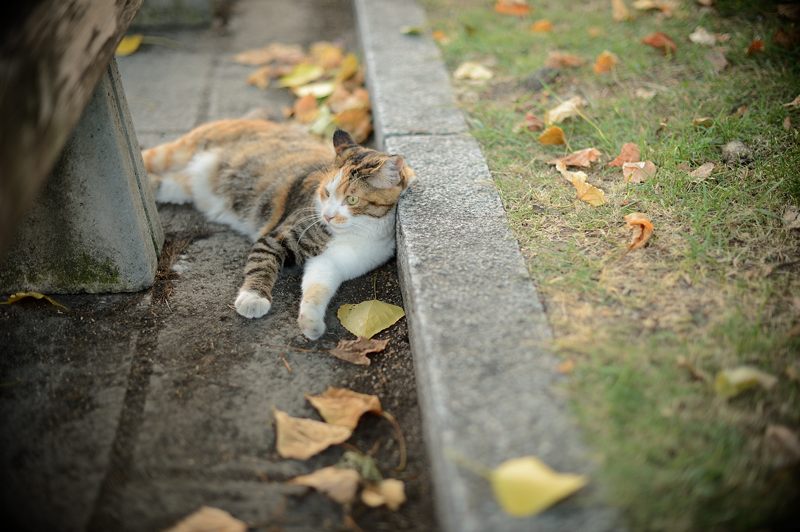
342 141
393 173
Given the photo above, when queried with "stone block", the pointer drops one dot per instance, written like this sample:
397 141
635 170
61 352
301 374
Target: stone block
94 227
177 13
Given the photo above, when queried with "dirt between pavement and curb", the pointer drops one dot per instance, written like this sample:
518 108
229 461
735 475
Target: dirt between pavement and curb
488 387
130 411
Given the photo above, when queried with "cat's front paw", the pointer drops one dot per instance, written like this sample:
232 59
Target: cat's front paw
313 326
251 305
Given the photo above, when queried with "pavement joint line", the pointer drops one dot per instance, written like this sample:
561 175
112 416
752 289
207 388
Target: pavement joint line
487 383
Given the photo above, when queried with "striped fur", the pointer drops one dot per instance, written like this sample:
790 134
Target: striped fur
330 210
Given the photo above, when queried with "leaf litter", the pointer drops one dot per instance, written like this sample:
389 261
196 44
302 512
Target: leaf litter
638 172
629 153
301 438
583 190
343 407
208 519
337 483
356 351
526 486
733 381
581 158
368 318
19 296
566 109
642 229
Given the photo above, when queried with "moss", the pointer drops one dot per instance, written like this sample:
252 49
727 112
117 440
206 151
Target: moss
79 272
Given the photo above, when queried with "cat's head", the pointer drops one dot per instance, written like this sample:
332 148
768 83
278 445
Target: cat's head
365 186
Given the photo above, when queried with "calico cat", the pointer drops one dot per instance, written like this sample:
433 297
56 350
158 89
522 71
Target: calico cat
330 210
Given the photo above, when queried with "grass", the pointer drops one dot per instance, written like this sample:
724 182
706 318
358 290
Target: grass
719 284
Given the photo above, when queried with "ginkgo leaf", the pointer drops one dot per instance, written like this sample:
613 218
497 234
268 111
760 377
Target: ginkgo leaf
260 78
356 351
553 135
583 158
518 8
629 153
320 89
638 172
129 44
526 486
470 70
563 60
301 75
369 317
605 62
340 485
326 54
702 171
13 298
207 519
583 190
390 492
661 41
542 26
642 229
303 438
619 11
731 382
340 406
306 109
348 68
564 110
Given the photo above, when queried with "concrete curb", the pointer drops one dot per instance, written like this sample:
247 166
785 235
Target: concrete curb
487 383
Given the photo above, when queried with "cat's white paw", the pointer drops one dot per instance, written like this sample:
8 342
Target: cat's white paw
312 325
251 305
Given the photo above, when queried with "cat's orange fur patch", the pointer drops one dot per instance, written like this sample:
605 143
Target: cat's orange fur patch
315 294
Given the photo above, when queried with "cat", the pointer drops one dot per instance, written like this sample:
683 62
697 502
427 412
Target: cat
328 208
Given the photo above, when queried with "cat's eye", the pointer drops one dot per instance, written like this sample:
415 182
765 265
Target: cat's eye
352 200
325 193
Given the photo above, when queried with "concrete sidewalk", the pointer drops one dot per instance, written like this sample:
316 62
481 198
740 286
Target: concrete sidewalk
130 411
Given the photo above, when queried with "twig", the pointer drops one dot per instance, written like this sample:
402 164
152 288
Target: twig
286 363
401 441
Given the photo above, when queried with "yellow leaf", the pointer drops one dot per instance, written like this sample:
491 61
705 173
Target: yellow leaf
13 298
620 11
208 518
553 135
348 68
320 89
326 54
129 44
338 484
343 407
583 190
390 492
564 110
526 486
301 74
303 438
732 382
369 317
472 71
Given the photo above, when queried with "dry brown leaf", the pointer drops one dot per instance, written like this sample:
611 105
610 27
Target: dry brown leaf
638 172
605 62
619 11
583 190
469 70
355 351
440 37
644 94
703 121
629 153
562 60
702 171
566 367
667 7
756 47
695 373
303 438
794 104
342 99
787 123
791 217
564 110
390 492
553 135
305 109
340 485
642 229
340 406
208 519
542 26
261 77
702 36
517 8
357 122
783 445
583 158
326 54
288 54
531 123
661 41
717 59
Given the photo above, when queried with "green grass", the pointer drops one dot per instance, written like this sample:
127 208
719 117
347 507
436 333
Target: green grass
719 282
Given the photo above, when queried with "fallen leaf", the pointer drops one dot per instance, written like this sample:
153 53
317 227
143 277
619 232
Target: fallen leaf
390 492
732 382
364 464
357 122
355 351
553 135
566 366
281 53
787 123
644 94
531 123
563 60
667 7
661 41
564 110
260 78
782 445
320 89
340 485
326 54
791 217
740 111
342 99
323 125
756 47
794 104
717 59
303 438
638 172
542 26
301 74
369 317
517 8
208 519
695 373
595 31
629 153
305 109
129 44
473 71
340 406
702 171
642 229
440 37
703 121
583 190
348 68
583 158
13 298
411 30
702 36
526 486
605 62
787 39
619 11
